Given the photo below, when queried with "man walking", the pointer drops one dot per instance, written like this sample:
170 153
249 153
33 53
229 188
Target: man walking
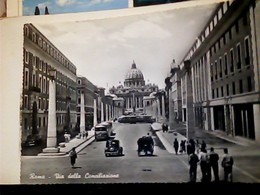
227 164
213 159
176 145
193 162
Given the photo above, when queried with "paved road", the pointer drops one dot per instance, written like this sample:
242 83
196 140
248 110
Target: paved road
163 167
91 162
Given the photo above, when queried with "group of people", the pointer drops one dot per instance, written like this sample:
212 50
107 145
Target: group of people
210 161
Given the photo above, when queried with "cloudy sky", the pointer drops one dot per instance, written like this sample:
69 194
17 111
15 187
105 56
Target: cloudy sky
66 6
103 50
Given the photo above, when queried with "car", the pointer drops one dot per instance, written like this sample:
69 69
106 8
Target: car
113 148
33 140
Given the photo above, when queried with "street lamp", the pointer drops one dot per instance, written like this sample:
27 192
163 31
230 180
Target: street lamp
51 129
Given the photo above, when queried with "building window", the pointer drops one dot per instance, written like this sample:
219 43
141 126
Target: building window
26 102
216 70
26 31
79 81
225 64
26 56
26 78
220 13
40 122
44 122
213 95
240 86
40 82
40 42
227 88
249 84
48 48
231 60
220 67
222 91
247 51
34 79
44 85
217 93
238 56
40 103
40 65
234 88
34 37
44 46
79 101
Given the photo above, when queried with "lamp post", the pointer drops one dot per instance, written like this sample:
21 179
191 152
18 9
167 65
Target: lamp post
51 129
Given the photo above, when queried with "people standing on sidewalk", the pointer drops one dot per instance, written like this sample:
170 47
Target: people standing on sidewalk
73 156
213 159
193 162
205 166
164 127
190 146
227 164
203 145
183 146
176 145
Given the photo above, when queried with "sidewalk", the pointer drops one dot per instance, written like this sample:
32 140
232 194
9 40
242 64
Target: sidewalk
79 143
238 146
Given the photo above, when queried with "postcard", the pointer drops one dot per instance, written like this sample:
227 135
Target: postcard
131 95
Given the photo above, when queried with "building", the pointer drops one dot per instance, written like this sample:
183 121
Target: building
91 94
135 93
225 71
41 56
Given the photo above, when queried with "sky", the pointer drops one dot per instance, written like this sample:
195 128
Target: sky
67 6
103 50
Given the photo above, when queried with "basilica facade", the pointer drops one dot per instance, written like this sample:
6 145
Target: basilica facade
136 94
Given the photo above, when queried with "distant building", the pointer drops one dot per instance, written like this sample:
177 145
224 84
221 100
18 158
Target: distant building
91 92
135 93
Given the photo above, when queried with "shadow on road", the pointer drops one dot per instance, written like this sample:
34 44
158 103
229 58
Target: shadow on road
76 167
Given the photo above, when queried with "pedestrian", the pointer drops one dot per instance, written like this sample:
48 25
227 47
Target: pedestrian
193 162
227 164
176 146
203 145
213 159
197 146
183 146
73 156
205 166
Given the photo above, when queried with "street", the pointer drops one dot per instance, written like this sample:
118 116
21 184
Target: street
93 167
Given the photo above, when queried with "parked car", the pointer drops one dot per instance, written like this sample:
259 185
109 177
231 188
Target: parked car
113 148
32 140
101 132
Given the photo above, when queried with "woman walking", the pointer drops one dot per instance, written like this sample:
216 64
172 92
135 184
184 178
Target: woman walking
73 156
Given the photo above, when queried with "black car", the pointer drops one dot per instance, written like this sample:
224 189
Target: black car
113 148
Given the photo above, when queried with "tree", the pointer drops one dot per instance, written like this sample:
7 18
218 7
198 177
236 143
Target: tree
46 11
37 11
